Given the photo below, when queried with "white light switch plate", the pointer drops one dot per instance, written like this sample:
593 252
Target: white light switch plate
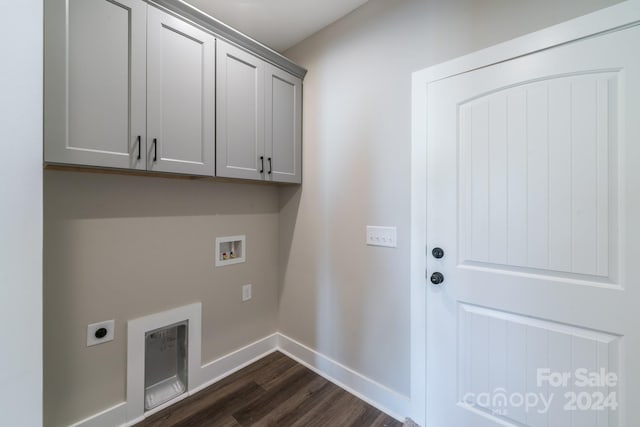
382 236
246 292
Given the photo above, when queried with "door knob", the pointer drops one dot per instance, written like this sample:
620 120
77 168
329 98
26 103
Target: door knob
437 278
437 253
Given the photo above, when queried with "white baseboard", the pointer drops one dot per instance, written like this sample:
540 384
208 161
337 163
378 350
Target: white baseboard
114 416
366 389
372 392
214 371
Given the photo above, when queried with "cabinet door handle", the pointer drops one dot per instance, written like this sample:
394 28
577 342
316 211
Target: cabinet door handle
262 164
139 147
155 149
269 159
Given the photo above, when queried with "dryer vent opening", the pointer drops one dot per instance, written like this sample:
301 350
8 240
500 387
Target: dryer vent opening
163 359
165 364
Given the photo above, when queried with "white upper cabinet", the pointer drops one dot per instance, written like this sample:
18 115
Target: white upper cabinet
240 114
180 96
283 121
95 83
259 118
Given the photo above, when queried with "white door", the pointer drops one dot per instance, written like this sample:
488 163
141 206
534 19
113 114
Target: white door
283 132
240 114
95 82
180 96
533 194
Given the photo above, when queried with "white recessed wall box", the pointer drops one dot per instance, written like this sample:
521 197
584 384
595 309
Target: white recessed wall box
230 250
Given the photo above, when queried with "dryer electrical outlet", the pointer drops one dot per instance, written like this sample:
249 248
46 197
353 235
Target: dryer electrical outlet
99 333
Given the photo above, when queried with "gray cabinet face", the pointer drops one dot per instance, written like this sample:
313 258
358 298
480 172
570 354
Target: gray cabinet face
283 131
240 114
95 82
130 86
180 91
259 118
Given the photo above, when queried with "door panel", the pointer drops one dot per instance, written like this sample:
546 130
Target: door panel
240 114
534 164
102 83
500 352
532 192
180 97
283 133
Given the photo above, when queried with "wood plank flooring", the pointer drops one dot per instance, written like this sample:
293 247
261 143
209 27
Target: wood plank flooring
274 391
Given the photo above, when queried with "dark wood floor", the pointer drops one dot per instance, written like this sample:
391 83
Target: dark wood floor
274 391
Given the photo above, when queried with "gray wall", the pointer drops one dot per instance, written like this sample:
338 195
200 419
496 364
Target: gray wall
21 214
121 247
347 300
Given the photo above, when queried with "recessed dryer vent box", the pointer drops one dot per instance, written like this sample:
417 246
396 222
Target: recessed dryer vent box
165 364
230 250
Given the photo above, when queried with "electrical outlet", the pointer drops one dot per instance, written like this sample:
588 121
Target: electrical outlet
382 236
99 333
246 292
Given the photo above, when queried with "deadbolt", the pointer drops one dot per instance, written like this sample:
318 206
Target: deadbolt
437 253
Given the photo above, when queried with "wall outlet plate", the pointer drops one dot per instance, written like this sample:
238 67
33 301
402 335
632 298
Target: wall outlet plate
246 292
382 236
92 339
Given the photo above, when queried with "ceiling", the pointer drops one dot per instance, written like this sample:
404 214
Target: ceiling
278 24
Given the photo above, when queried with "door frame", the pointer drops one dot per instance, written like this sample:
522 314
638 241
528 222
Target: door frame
610 19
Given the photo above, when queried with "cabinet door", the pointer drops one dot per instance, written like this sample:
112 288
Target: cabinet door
95 82
240 114
180 96
283 129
